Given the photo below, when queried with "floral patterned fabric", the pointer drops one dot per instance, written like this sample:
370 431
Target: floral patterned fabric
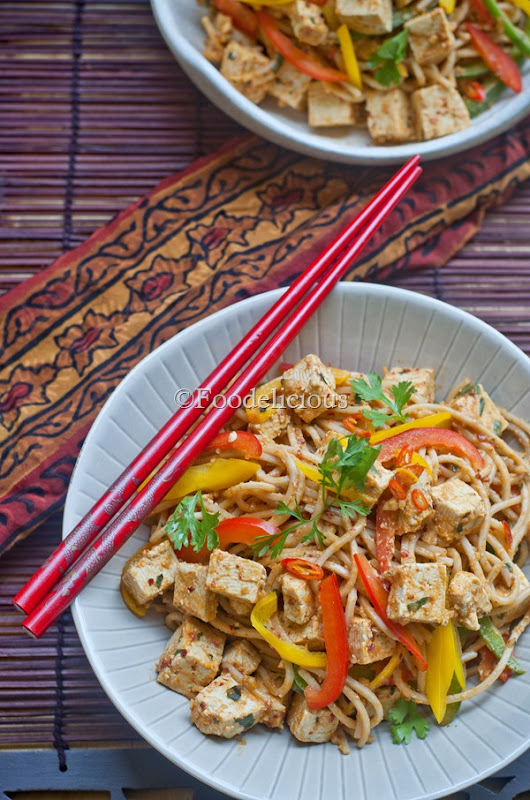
245 220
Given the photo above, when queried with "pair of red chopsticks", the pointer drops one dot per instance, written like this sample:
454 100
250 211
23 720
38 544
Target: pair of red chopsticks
52 588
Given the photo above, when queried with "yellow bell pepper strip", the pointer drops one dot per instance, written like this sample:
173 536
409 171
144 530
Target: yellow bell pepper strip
330 15
337 648
439 438
266 390
388 670
447 5
220 473
349 57
258 414
443 659
261 614
440 420
524 5
379 597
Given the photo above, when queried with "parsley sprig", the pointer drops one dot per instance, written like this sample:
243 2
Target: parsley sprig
184 529
372 389
387 57
341 468
404 718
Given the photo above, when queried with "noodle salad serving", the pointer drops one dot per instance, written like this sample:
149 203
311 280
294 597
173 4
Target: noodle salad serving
407 70
347 551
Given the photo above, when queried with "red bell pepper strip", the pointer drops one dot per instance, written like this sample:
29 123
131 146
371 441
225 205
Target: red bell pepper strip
482 12
496 58
385 534
379 598
243 18
301 568
439 438
245 442
301 60
336 642
236 530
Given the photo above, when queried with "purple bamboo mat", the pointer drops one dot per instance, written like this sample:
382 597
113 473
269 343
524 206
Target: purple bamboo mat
94 112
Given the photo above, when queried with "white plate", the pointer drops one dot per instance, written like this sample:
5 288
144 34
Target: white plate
360 326
179 23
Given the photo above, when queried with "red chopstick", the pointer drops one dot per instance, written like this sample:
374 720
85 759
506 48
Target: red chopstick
152 454
121 528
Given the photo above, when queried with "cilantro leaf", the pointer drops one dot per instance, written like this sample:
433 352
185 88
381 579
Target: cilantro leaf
184 529
372 390
343 468
351 507
276 542
387 74
404 718
315 534
387 57
415 605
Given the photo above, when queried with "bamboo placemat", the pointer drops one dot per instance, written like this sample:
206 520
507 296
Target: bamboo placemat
94 112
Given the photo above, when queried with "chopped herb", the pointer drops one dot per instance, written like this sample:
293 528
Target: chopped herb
508 566
497 427
372 389
159 579
417 604
404 718
459 528
181 652
469 388
323 378
299 683
400 17
481 405
347 467
387 57
246 722
234 693
454 467
184 529
278 61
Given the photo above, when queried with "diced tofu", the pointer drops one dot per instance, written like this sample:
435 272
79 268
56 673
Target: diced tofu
233 576
192 657
376 482
367 643
458 510
366 16
290 87
225 708
241 655
390 117
468 598
326 109
309 26
298 599
430 37
439 111
418 593
311 634
309 388
191 594
272 426
421 379
474 401
411 515
151 573
248 70
241 608
310 726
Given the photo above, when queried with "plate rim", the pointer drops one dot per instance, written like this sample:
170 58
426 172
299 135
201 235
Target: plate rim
77 610
219 91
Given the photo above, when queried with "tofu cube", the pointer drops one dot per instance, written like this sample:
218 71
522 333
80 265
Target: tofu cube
439 111
311 634
298 600
151 573
474 401
430 37
422 380
468 599
417 594
377 480
367 643
272 426
309 388
241 655
310 726
191 594
326 109
192 657
233 576
226 708
290 87
366 16
410 518
248 70
308 23
390 117
241 608
458 510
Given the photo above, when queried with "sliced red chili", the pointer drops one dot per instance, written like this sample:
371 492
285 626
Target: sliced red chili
405 456
302 568
508 536
397 489
475 91
419 500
